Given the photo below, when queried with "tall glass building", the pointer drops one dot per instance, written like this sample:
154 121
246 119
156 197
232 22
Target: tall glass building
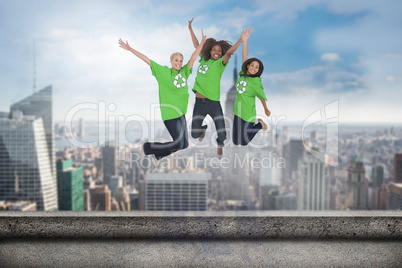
25 165
70 186
39 105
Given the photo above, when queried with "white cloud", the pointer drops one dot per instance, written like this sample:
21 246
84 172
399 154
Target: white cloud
390 78
330 57
62 33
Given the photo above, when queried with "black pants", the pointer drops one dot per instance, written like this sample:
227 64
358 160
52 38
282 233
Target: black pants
243 131
202 108
177 128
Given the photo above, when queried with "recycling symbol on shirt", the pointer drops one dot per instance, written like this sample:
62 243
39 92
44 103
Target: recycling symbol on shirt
203 69
241 86
177 83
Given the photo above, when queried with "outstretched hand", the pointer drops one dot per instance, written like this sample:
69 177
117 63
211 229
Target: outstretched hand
245 34
189 22
123 45
267 112
204 37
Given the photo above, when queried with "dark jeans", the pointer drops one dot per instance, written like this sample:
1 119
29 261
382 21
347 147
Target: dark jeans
202 108
177 128
243 131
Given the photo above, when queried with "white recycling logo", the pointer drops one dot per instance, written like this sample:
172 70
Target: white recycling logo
203 69
241 86
177 83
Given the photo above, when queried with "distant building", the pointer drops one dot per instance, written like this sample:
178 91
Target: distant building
286 201
314 182
40 105
101 199
109 154
395 196
377 176
356 196
114 183
398 168
176 191
25 165
267 196
70 186
18 206
122 198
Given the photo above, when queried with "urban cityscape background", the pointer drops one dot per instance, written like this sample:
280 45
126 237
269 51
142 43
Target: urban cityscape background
288 167
75 108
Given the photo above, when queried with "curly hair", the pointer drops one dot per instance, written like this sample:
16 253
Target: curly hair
244 67
210 43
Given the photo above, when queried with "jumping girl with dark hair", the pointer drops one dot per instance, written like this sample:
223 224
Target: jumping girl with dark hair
173 98
248 86
214 58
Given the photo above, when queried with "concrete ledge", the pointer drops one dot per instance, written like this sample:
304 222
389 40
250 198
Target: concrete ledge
354 225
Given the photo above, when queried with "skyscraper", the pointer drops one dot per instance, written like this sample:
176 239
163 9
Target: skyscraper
70 186
314 182
176 191
25 164
395 196
109 154
356 185
377 176
398 168
235 180
39 105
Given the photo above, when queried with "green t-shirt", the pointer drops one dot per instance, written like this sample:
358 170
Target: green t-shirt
173 89
247 88
208 80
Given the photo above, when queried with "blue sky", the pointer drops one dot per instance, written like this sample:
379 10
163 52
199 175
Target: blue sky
315 52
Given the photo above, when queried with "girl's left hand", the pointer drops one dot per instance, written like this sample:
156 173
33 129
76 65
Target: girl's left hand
267 112
204 37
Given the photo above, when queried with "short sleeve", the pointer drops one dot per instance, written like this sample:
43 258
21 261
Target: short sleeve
155 68
259 90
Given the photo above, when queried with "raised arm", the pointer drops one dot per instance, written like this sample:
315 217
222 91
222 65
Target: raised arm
197 51
244 36
245 51
126 46
264 103
193 37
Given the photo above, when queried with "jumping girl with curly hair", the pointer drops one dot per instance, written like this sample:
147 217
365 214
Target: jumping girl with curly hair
214 58
248 86
173 98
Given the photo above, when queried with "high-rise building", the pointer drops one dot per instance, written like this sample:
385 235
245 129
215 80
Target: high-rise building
109 154
235 180
81 129
398 168
70 186
314 182
114 183
356 196
101 199
395 196
176 191
39 105
377 176
286 201
267 196
25 164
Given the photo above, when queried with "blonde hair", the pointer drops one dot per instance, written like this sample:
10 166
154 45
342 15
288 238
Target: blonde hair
174 54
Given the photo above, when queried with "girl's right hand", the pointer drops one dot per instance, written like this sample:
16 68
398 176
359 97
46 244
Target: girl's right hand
245 34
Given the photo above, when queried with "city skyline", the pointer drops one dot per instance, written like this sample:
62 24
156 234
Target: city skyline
315 53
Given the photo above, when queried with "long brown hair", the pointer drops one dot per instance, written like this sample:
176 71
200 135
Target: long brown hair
210 43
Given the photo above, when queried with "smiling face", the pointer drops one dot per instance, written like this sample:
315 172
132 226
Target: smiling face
253 68
177 62
216 52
